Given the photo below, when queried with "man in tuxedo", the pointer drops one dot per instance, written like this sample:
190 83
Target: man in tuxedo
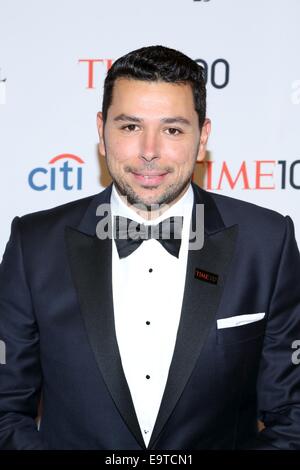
134 335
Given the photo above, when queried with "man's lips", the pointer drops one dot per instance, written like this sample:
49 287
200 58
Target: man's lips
149 178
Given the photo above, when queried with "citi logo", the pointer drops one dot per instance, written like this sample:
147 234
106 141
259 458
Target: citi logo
64 172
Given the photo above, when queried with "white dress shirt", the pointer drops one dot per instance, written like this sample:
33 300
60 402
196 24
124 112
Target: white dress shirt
148 288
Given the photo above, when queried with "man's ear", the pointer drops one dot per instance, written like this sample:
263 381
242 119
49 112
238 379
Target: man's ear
205 131
100 126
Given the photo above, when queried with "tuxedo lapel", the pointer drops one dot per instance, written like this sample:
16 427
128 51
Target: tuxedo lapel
200 303
91 266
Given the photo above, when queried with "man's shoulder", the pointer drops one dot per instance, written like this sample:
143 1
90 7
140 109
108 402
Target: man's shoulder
69 213
257 226
235 210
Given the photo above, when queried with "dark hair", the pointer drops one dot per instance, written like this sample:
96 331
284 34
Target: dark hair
157 63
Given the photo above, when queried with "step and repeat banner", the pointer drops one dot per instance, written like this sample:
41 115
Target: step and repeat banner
53 59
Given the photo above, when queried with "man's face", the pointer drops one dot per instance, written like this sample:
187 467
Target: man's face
151 140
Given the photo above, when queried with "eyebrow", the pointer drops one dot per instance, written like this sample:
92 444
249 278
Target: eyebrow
168 120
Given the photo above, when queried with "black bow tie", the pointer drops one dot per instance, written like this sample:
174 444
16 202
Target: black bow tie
129 235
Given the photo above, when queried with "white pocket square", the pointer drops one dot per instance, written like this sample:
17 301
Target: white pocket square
239 320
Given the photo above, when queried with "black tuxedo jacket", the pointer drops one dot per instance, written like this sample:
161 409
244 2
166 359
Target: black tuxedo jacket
57 323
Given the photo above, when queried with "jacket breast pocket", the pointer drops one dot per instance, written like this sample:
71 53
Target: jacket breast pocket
242 333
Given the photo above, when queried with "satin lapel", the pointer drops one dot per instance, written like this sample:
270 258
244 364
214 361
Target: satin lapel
91 266
200 303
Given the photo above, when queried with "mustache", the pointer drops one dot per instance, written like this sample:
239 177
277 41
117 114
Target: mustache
145 168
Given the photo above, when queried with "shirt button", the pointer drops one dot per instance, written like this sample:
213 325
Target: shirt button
147 376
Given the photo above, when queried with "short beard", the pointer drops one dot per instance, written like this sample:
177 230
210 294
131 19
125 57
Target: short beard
170 194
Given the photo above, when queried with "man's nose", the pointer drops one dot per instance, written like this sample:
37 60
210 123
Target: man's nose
150 146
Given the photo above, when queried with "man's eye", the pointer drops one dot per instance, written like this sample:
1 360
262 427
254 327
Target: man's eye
173 131
130 127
